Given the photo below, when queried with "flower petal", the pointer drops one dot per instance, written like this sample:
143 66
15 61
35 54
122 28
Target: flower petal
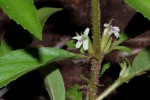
116 34
106 25
77 37
78 44
85 44
116 28
111 32
86 32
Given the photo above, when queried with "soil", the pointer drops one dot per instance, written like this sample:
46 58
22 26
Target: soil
58 29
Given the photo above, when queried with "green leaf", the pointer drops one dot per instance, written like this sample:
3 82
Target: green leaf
123 37
122 48
73 93
125 68
104 68
53 82
70 44
142 6
4 48
141 63
24 13
44 13
19 62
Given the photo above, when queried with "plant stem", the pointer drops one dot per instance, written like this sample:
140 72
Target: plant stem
92 86
94 78
97 60
96 27
116 84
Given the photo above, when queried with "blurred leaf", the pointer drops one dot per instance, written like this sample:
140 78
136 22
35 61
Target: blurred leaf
24 13
73 93
104 68
4 48
19 62
70 44
141 63
122 37
44 13
122 48
54 82
142 6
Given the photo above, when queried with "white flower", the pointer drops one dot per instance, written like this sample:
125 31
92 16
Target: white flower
82 39
112 30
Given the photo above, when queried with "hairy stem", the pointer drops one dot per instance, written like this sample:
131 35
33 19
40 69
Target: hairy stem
94 79
92 85
96 27
97 60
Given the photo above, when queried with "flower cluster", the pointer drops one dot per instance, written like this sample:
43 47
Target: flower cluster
82 39
111 30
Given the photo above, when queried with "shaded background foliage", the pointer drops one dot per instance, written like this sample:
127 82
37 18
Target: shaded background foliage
59 27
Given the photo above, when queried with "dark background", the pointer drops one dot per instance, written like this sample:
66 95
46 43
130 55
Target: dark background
75 17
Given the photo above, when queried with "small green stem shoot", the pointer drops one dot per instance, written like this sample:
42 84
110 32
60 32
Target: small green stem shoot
116 84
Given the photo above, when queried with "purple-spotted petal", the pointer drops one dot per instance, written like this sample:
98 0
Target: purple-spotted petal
116 28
